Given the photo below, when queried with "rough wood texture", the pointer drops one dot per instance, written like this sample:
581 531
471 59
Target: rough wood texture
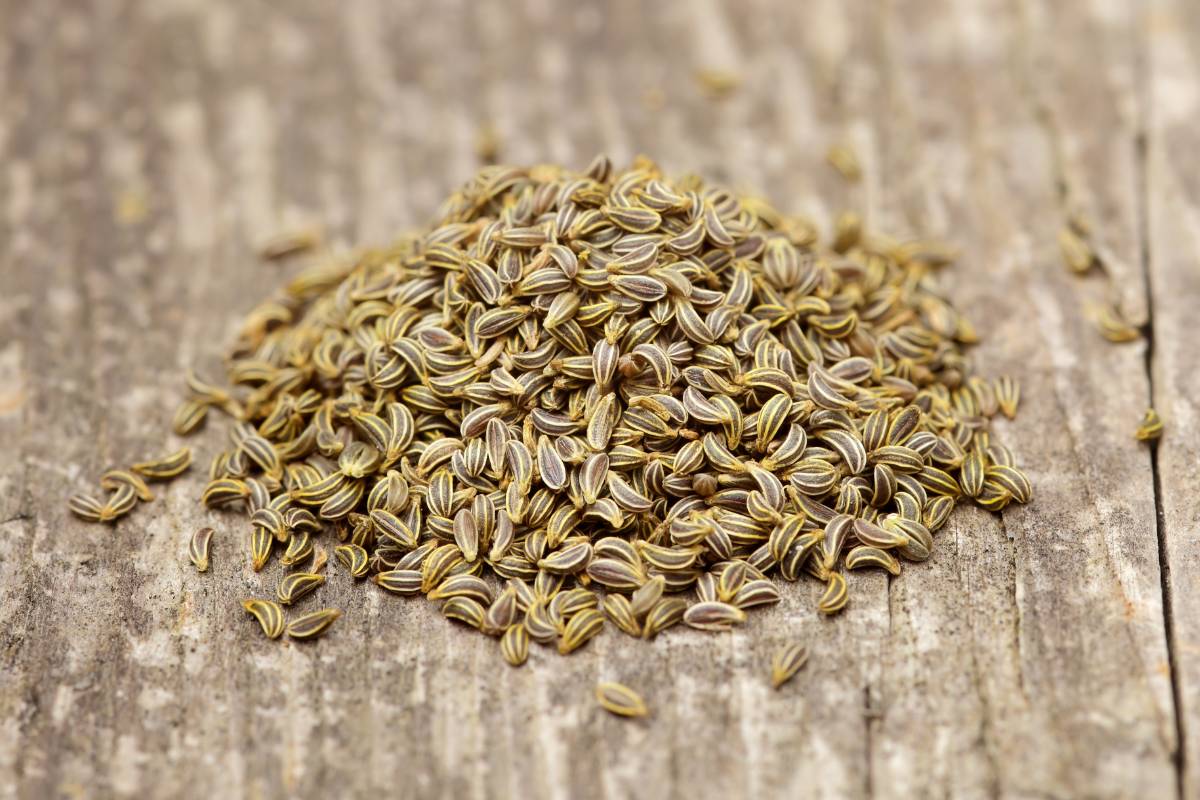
1053 651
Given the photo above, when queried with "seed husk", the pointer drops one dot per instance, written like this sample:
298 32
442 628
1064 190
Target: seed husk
619 699
788 660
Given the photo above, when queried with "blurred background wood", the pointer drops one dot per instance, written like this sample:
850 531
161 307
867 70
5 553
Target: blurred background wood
146 147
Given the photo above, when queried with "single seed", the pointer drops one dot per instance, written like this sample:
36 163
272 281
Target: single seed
268 614
618 699
296 585
165 468
787 662
1151 427
198 548
310 626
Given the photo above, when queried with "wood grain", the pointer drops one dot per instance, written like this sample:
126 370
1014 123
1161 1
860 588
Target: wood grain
147 146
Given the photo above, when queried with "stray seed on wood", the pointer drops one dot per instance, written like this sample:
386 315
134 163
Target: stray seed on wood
787 662
1151 427
268 614
310 626
198 548
289 243
618 699
167 467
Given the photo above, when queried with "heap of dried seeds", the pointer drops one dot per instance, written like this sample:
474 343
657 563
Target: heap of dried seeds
602 396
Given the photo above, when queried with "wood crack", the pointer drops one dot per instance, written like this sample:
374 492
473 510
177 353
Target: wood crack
1179 755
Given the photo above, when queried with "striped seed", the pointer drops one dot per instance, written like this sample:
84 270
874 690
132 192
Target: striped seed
198 547
620 700
787 661
312 625
268 614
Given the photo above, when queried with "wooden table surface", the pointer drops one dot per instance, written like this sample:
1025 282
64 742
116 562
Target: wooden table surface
1051 651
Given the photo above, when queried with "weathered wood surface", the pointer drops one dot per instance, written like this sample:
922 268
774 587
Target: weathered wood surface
1053 651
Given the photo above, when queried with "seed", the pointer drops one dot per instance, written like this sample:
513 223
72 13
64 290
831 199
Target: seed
841 157
116 478
198 548
618 699
1150 428
289 243
189 417
261 542
514 645
85 507
665 613
296 585
713 615
464 585
399 581
1113 325
1076 252
165 468
268 614
788 660
464 610
310 626
353 558
580 629
862 557
618 609
120 502
834 598
603 389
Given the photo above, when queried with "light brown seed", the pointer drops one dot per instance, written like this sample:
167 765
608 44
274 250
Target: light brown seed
165 468
788 660
198 547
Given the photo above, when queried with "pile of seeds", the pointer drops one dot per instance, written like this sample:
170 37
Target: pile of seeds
600 396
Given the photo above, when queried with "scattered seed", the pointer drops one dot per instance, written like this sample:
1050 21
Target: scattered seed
1151 427
787 662
165 468
312 625
198 548
268 614
618 699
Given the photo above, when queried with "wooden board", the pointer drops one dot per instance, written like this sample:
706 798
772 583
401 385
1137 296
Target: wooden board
1052 651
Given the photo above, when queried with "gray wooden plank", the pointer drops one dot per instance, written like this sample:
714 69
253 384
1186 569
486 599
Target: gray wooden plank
1037 639
1009 664
1172 192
